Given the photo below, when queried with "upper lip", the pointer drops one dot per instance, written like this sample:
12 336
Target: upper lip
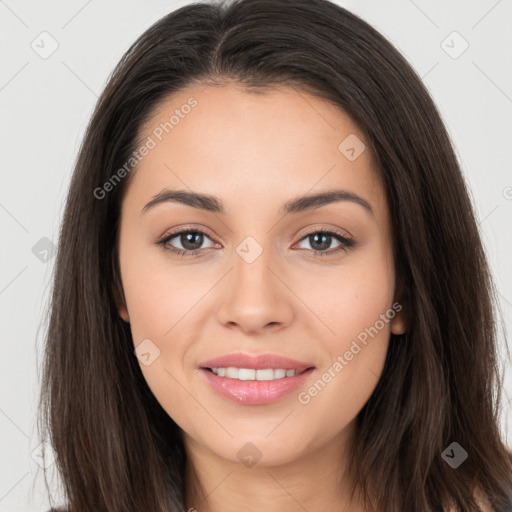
256 362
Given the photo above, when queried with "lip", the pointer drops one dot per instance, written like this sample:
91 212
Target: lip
256 362
254 392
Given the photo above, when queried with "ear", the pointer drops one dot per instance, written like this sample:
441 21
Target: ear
120 302
117 290
398 322
121 305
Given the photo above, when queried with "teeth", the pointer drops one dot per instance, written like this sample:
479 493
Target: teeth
244 374
279 374
252 374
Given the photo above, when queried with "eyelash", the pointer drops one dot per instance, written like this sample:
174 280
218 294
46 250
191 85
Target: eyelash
346 243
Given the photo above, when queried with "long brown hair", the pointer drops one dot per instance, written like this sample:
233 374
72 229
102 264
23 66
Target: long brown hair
116 448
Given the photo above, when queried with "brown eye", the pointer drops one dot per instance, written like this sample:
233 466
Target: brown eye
190 241
321 240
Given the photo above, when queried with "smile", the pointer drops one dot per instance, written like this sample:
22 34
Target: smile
254 391
253 374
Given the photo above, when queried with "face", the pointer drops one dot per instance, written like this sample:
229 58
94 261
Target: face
311 281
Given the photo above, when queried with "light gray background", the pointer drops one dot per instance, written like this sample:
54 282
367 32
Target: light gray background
45 106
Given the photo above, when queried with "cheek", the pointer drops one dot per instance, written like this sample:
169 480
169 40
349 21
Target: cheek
158 300
159 294
353 298
356 311
357 308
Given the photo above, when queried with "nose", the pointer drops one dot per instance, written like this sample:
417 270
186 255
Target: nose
255 297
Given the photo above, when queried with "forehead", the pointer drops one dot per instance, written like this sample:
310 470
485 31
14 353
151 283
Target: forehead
243 146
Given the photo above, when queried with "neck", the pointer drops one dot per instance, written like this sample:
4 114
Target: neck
314 481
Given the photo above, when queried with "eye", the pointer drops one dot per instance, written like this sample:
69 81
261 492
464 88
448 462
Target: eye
190 241
321 238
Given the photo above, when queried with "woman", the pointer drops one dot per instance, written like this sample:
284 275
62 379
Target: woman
333 344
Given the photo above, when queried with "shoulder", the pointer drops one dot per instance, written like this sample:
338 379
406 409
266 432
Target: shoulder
482 500
484 507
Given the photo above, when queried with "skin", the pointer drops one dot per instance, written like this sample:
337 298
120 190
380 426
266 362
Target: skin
255 152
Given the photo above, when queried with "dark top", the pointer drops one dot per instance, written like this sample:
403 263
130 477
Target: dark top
507 509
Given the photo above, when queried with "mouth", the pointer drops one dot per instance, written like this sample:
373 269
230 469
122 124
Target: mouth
253 374
245 364
255 380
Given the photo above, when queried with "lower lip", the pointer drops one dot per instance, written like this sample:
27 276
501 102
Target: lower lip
255 392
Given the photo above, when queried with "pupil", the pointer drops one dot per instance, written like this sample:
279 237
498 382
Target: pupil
189 244
324 244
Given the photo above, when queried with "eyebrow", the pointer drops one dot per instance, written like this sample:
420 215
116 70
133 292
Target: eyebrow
299 204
